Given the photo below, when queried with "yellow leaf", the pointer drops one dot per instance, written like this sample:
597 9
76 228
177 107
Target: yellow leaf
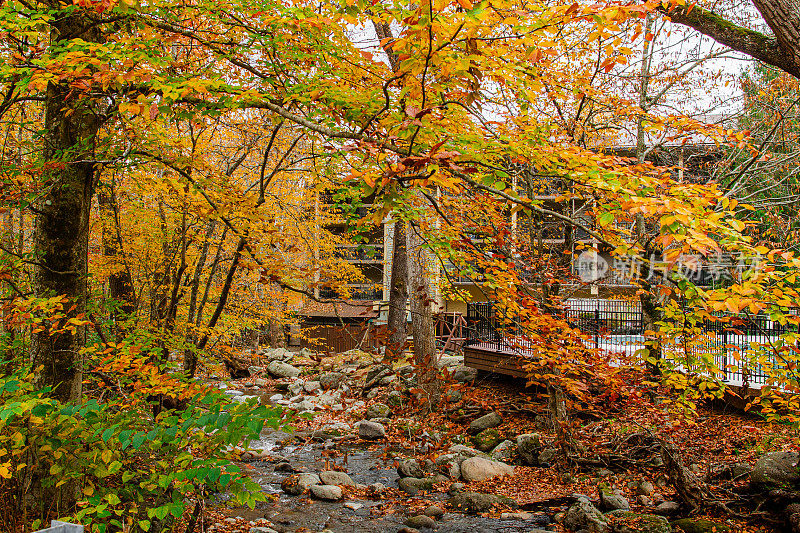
466 4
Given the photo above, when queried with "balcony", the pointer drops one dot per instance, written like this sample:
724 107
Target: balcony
362 292
363 253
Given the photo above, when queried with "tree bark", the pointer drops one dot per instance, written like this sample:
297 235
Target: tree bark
61 234
120 284
398 292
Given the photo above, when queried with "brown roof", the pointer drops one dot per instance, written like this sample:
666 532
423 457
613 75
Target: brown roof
340 309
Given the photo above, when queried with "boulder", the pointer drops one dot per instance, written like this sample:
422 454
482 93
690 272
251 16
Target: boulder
465 451
777 469
645 488
699 525
582 515
331 493
504 452
480 468
371 430
486 439
421 521
282 370
492 420
610 501
434 511
375 374
627 522
464 374
477 502
547 456
412 485
330 380
410 468
377 410
331 477
667 508
299 483
262 529
312 386
395 398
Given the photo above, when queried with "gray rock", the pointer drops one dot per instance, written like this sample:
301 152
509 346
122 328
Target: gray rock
376 489
492 420
455 488
377 410
306 352
312 386
253 369
330 380
480 468
450 360
375 374
395 398
464 374
299 483
407 529
371 430
410 468
282 370
476 502
612 502
547 456
331 493
486 439
453 396
700 525
628 522
450 465
582 515
421 521
528 447
777 469
465 451
412 485
331 477
305 405
645 488
667 508
522 515
434 512
262 529
353 506
504 452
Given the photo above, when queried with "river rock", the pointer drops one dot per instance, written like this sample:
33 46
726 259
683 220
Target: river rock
504 452
645 488
667 508
486 439
377 410
282 370
777 469
699 525
395 398
613 502
312 386
299 483
371 430
262 529
477 502
421 521
331 493
412 485
410 468
492 420
464 374
331 477
434 511
375 374
627 522
330 380
582 515
480 468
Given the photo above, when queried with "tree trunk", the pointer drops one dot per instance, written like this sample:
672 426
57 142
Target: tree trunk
422 325
120 284
398 292
61 235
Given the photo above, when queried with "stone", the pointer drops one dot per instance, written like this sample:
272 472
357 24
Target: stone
375 374
453 396
486 439
667 508
253 369
477 502
464 374
504 452
306 352
276 397
421 521
331 477
528 447
434 511
627 522
410 468
776 469
547 456
455 488
582 515
305 405
407 530
331 493
353 506
491 420
377 410
371 430
299 483
376 489
522 515
700 525
450 465
282 370
645 488
262 529
613 502
395 398
412 485
480 468
312 386
465 451
330 380
284 467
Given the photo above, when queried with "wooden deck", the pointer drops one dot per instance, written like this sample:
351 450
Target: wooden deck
487 357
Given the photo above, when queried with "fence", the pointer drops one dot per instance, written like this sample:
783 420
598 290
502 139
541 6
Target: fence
616 326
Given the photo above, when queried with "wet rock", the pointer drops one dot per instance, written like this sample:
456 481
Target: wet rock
331 493
282 370
582 515
464 374
371 430
699 525
299 483
522 515
455 488
434 511
667 508
480 468
376 489
377 410
492 420
353 506
465 451
312 386
476 502
421 521
331 477
504 452
262 529
284 467
412 485
408 530
628 522
613 502
375 374
253 369
776 469
410 468
486 439
330 380
645 488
